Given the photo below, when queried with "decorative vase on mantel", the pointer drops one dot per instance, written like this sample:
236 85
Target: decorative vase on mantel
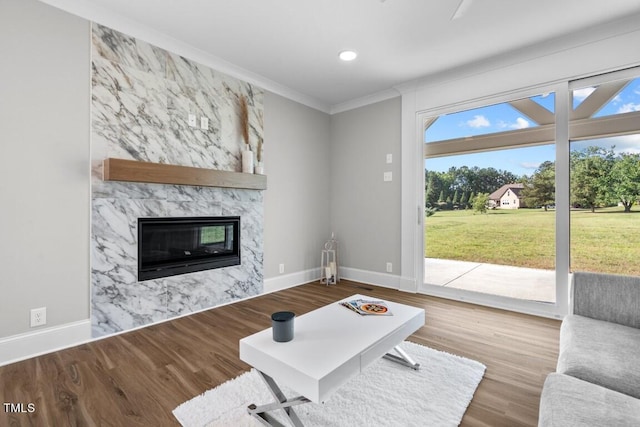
259 168
247 160
259 163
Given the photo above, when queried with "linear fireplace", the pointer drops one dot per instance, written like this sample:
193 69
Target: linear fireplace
172 246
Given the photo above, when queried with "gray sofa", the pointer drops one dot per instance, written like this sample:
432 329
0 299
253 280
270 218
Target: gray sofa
597 379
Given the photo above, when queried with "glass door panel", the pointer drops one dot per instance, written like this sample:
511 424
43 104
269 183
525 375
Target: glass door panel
490 223
605 216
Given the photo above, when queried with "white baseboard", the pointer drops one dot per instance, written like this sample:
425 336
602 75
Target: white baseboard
363 276
408 284
24 346
290 280
370 277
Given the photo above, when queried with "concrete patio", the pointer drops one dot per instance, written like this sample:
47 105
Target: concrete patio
515 282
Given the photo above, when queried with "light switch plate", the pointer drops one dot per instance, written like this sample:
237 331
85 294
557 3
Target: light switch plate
204 123
192 120
389 158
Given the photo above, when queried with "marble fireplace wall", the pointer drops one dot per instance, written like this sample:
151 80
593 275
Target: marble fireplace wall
141 98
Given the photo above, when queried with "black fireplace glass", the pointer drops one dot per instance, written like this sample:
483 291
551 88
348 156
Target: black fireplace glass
172 246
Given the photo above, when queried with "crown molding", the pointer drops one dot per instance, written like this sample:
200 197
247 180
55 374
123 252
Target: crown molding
364 101
102 16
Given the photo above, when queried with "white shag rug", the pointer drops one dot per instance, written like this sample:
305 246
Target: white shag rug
385 394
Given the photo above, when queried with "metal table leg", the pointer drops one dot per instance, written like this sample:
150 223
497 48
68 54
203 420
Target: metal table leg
403 359
261 412
281 401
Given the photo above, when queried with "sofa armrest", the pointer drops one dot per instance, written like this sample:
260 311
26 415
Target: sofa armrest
608 297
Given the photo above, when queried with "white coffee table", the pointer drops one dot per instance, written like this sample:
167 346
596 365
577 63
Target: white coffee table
330 346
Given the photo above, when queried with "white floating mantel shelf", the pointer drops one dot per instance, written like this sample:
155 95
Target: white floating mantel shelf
158 173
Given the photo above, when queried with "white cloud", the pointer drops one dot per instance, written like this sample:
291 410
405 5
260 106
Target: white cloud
530 165
628 108
623 144
520 123
626 143
479 122
581 94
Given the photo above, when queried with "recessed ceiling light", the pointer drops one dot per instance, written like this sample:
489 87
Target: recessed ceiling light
348 55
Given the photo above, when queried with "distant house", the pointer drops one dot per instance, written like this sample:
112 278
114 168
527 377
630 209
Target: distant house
507 197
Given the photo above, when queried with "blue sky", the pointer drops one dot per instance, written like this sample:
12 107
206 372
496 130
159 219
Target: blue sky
520 161
503 117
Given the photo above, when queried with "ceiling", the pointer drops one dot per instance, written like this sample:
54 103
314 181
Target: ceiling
294 44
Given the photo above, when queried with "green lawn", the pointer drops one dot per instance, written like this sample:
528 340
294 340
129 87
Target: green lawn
605 241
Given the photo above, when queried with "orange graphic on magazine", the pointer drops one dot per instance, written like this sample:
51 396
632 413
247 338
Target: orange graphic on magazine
373 308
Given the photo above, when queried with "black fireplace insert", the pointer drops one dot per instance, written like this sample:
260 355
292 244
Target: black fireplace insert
172 246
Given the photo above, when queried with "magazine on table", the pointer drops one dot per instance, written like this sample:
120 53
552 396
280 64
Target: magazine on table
368 307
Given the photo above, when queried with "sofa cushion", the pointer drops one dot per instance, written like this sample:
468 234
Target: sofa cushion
569 402
602 353
609 297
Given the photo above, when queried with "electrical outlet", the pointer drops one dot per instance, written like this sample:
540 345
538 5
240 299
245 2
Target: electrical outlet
388 176
38 316
389 267
192 120
281 268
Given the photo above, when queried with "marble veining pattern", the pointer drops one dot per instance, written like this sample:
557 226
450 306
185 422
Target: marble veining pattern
141 97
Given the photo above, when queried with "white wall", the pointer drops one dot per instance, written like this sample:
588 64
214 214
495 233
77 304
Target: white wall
44 165
297 200
365 210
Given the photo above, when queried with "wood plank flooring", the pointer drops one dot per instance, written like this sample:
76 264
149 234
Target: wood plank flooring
138 378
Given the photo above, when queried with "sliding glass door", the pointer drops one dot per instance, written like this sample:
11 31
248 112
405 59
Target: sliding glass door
482 222
605 175
489 229
520 192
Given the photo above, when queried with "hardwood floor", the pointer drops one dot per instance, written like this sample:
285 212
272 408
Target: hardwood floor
138 378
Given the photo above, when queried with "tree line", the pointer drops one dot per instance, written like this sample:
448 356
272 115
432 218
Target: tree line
599 178
457 188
